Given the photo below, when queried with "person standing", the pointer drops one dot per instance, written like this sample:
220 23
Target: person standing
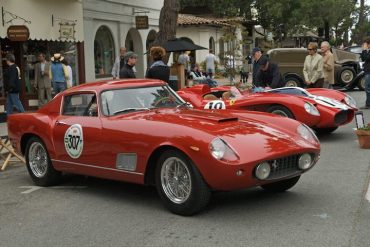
210 64
127 69
118 63
365 56
12 85
313 67
58 73
42 80
69 71
184 59
328 65
269 74
158 69
256 55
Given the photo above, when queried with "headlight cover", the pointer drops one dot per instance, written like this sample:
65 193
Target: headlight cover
221 151
311 109
307 133
350 101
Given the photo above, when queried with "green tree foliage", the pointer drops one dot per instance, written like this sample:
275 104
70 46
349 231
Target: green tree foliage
292 16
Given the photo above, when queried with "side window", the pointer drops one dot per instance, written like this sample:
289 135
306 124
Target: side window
80 105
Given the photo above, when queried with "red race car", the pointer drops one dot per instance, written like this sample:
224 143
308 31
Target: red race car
141 131
321 109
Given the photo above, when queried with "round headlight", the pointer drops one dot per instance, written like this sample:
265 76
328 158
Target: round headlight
350 101
263 170
305 161
311 109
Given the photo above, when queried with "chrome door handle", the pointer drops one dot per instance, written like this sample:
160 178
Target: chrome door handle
60 123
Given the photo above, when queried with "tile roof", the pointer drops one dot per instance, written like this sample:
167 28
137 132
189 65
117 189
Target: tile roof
187 20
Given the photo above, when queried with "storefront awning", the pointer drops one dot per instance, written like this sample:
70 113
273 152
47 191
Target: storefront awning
45 19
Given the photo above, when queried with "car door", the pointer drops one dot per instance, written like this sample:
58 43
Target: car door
77 133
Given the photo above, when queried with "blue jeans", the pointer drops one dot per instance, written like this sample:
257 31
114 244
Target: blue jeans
367 89
13 100
59 87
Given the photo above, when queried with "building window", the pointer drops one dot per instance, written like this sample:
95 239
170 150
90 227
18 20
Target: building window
212 44
221 54
103 52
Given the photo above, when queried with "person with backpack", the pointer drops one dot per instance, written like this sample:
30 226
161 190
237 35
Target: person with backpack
12 85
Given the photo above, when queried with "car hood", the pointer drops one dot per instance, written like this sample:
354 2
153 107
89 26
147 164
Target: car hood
247 128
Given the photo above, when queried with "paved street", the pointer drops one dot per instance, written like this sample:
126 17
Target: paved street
330 206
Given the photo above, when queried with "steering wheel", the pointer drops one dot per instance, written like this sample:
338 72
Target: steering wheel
155 104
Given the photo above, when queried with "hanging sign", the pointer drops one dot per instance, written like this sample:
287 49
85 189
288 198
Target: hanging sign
67 30
141 22
18 33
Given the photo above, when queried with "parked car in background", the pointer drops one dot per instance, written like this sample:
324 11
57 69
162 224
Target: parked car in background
347 68
322 109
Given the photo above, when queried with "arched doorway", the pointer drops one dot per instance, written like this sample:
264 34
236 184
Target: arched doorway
149 41
211 45
103 52
134 43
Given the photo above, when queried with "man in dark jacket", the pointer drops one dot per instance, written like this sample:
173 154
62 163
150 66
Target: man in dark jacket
12 85
365 56
127 69
268 74
158 70
256 54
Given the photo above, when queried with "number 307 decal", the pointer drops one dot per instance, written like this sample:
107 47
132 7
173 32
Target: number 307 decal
215 104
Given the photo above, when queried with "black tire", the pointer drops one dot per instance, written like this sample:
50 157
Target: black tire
346 75
280 110
282 185
323 131
199 193
292 82
361 83
39 165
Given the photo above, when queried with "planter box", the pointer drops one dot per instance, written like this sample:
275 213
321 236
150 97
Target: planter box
363 138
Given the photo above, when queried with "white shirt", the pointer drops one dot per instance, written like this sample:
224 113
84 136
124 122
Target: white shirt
210 61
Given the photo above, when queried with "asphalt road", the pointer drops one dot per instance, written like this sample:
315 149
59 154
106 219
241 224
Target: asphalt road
328 207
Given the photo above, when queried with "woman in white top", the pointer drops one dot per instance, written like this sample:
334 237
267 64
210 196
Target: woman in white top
313 67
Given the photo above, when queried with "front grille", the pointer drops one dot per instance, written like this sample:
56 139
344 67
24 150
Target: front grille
283 167
341 117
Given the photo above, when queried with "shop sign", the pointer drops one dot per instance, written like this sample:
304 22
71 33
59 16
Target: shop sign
142 22
67 31
18 33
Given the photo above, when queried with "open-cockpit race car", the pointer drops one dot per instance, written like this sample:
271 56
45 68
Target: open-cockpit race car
321 109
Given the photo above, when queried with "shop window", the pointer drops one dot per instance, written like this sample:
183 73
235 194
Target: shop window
103 52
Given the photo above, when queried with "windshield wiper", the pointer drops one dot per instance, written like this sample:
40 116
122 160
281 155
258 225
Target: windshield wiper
130 110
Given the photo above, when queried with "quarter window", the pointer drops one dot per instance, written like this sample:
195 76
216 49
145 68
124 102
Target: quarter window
80 105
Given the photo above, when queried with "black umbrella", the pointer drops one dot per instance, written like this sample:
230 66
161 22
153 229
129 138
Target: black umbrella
174 45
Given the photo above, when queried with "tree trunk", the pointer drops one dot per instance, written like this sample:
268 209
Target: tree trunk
167 23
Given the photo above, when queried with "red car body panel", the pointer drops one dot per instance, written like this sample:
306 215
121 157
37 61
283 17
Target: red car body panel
255 137
263 100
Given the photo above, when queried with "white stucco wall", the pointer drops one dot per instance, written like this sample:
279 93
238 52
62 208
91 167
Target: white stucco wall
119 17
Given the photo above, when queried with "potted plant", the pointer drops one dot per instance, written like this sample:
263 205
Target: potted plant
363 135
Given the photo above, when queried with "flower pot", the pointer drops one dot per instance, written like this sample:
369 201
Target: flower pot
363 138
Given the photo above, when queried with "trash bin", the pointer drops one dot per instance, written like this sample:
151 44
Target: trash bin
173 82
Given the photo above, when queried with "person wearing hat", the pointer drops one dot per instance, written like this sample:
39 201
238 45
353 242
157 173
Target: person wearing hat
256 55
127 69
58 73
12 83
268 74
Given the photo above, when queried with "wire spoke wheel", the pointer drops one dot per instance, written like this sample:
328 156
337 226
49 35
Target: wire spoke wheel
176 180
38 159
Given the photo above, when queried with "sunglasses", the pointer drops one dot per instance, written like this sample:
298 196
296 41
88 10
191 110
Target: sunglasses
310 49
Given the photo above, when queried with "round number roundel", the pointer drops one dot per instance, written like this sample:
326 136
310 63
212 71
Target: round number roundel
73 141
215 104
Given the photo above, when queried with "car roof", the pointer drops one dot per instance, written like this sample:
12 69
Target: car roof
115 84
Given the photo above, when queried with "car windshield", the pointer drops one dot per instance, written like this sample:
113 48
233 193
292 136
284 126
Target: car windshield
125 100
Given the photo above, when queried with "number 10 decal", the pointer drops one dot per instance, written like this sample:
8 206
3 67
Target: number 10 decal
215 104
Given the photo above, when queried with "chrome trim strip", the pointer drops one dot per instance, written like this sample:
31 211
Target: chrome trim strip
98 167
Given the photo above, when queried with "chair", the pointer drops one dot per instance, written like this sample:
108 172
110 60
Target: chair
7 153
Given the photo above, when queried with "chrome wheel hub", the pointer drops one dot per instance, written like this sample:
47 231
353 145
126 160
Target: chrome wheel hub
176 180
38 159
347 76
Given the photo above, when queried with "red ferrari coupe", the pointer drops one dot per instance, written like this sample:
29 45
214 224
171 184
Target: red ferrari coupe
321 109
141 131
